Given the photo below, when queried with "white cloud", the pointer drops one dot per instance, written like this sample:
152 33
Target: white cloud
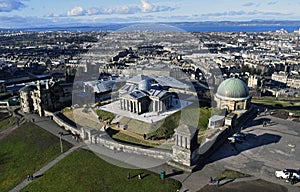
113 10
76 11
272 2
93 11
145 7
10 5
248 4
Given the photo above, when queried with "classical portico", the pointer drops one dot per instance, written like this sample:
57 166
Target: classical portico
143 98
135 102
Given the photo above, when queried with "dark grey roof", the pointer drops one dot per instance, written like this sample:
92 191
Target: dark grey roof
137 79
157 93
138 94
28 88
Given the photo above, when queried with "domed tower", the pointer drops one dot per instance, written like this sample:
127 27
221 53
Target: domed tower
144 85
233 94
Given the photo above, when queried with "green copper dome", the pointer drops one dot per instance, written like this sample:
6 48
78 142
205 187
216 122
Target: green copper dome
233 89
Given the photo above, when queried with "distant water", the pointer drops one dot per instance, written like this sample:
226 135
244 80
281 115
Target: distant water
238 28
188 28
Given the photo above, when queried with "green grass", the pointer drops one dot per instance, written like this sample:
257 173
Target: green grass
167 126
24 151
230 174
68 112
8 122
82 170
3 115
119 136
105 115
140 127
191 115
293 107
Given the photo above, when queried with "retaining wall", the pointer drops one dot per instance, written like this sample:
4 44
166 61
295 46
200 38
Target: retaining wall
99 137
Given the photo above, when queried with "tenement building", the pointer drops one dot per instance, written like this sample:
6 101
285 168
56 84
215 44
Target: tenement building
47 96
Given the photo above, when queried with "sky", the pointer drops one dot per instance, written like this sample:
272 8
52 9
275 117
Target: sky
38 13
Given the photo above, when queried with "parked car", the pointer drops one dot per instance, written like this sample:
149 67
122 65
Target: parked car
234 139
240 135
288 174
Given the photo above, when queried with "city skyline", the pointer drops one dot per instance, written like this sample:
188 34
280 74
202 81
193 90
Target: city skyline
34 13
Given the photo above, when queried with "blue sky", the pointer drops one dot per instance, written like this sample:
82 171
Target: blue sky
36 13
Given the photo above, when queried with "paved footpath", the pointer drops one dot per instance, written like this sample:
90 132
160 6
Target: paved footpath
45 168
53 128
190 181
50 126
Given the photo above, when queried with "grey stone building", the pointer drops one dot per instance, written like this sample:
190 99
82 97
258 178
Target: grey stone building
143 94
185 150
233 94
47 96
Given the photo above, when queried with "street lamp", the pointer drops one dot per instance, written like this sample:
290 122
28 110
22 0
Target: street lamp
61 146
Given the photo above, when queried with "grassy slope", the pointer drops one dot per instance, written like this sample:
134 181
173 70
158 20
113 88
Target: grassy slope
279 104
7 122
192 115
23 152
84 171
230 174
106 116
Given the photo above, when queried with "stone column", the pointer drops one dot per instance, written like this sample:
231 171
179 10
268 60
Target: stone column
140 107
245 104
127 105
183 142
188 144
131 106
160 106
134 106
180 142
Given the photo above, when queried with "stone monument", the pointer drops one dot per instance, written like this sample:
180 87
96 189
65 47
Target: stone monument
185 150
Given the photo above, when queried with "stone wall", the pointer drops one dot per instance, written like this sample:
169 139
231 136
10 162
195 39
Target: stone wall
101 138
63 124
150 152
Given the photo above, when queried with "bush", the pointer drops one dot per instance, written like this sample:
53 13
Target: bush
167 128
278 105
105 116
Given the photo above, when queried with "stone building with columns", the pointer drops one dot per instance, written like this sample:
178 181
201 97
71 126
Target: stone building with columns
142 102
185 149
143 94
